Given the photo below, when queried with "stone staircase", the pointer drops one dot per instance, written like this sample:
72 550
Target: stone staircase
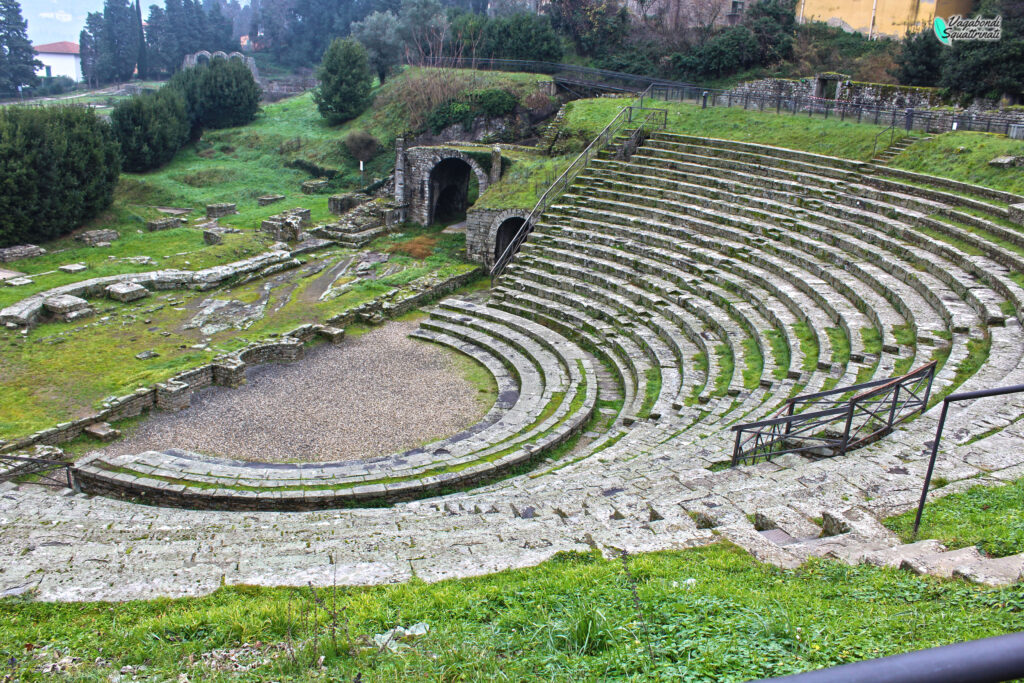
665 298
893 150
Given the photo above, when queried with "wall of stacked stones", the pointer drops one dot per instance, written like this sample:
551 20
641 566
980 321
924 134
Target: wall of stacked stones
863 100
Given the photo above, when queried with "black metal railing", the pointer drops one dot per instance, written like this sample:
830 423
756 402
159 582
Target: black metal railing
909 119
655 119
953 398
891 130
988 660
845 418
570 73
50 472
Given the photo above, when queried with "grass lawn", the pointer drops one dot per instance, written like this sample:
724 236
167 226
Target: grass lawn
708 614
964 156
584 119
990 517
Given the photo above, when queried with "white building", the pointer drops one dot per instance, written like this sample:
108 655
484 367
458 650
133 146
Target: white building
59 59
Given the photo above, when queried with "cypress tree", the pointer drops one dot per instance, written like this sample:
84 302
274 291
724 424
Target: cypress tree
18 61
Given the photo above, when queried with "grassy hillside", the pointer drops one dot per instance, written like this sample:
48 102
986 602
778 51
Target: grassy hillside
964 156
586 118
709 614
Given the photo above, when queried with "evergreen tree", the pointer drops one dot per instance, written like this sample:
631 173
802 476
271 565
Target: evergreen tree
228 94
188 84
379 35
521 36
58 168
919 60
160 47
88 48
990 69
219 30
150 128
143 59
18 61
345 81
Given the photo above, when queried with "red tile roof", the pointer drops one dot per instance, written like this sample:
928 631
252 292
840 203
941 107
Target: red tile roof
64 47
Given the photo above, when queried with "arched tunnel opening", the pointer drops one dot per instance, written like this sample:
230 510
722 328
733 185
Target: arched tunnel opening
506 232
454 188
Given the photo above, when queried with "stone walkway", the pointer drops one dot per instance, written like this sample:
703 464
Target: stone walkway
371 395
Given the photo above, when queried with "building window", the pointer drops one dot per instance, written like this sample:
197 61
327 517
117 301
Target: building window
48 74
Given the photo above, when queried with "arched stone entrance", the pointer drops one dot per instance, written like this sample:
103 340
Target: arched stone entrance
506 231
428 179
450 190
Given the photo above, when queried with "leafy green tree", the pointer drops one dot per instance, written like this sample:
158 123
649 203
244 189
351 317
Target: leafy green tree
345 81
522 36
595 26
58 168
773 25
113 43
18 61
730 51
990 69
150 128
920 60
229 95
378 33
422 25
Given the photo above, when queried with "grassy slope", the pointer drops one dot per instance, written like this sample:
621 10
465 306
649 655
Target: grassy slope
964 156
709 614
991 518
848 139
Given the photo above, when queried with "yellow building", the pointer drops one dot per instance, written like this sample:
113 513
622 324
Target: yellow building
881 18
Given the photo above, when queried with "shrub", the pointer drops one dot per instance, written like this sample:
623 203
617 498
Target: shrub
229 94
491 103
150 128
58 168
362 145
345 82
187 84
521 36
218 95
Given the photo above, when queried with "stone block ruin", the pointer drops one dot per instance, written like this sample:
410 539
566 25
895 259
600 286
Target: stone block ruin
164 224
98 238
287 226
218 210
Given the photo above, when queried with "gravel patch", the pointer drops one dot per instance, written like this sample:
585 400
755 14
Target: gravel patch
371 395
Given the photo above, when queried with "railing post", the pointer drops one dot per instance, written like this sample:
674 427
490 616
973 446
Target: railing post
704 105
931 469
895 402
846 430
736 448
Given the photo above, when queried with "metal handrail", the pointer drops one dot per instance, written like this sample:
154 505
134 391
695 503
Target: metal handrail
954 398
987 660
892 135
53 464
870 400
565 179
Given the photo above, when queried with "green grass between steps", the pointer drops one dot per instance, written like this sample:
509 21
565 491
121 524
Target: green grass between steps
753 363
840 345
652 389
780 352
726 366
706 614
809 346
989 517
872 339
